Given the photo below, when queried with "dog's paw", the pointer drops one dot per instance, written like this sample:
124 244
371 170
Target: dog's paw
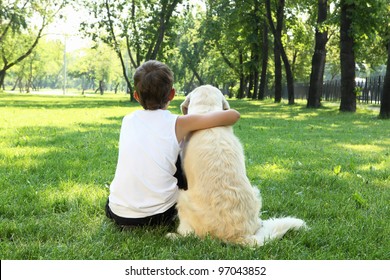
172 235
252 241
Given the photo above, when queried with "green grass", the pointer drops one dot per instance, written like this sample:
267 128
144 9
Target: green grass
58 155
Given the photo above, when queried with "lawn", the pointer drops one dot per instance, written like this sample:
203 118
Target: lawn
58 156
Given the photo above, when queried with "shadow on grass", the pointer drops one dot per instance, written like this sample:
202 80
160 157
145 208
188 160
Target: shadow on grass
63 102
57 176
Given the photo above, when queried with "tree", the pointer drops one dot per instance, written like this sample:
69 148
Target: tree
280 51
277 34
18 18
40 69
97 68
385 102
254 38
235 29
264 61
385 32
136 30
299 40
319 57
226 32
361 22
347 58
191 46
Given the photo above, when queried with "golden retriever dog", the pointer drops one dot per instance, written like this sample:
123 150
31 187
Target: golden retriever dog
220 200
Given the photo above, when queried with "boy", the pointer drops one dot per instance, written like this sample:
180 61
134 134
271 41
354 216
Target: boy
144 189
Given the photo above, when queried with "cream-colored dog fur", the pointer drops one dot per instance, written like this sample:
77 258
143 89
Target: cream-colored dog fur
220 201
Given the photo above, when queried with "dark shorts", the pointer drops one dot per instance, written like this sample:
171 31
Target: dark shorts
163 219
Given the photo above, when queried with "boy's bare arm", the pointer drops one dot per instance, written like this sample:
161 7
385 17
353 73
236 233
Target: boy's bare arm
188 123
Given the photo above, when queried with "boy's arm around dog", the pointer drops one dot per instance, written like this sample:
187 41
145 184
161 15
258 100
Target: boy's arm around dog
188 123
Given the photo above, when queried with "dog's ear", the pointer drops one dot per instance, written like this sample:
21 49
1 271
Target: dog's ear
225 104
185 104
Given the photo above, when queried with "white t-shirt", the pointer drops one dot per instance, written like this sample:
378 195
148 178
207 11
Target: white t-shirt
148 149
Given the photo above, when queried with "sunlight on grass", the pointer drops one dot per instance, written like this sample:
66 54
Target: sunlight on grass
382 166
70 195
267 171
22 159
362 148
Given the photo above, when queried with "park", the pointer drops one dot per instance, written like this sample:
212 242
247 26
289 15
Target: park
325 161
58 155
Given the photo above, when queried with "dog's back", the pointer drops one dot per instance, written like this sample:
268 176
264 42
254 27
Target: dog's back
220 200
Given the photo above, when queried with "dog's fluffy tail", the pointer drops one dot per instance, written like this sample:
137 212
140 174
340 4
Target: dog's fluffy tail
275 228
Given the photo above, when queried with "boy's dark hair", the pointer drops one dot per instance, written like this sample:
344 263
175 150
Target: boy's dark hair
153 82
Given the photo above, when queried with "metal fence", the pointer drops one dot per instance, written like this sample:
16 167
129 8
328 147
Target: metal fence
369 90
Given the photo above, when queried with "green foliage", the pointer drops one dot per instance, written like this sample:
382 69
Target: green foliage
14 15
138 27
41 69
96 64
58 155
360 201
219 43
370 29
21 27
299 42
337 169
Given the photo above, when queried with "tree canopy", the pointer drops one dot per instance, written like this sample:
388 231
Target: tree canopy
22 23
248 48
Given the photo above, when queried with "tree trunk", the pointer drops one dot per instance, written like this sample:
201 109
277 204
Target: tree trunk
319 58
278 74
250 87
18 79
101 87
277 52
118 51
347 60
385 102
256 50
277 32
256 85
242 77
289 77
263 78
198 77
2 77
